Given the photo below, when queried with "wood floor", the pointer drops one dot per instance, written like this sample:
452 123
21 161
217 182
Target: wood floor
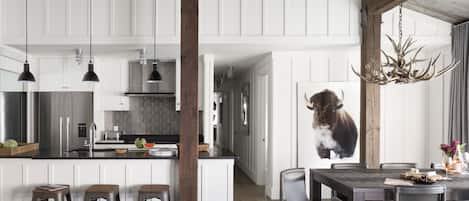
247 190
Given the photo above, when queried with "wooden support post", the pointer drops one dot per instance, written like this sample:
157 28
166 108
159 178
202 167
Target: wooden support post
188 124
370 93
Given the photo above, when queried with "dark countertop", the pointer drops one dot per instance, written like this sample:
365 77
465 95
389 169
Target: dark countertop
212 154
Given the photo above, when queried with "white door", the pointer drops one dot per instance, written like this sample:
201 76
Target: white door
262 126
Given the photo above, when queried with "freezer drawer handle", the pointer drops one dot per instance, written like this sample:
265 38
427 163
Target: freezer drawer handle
60 134
67 145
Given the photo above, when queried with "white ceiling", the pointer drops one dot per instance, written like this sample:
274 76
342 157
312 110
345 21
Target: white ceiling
453 11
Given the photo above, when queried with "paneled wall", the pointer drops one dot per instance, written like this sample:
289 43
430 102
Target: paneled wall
67 21
288 69
221 21
414 117
409 118
273 18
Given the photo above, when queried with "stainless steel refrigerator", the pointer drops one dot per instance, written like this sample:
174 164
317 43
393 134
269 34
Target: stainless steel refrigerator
13 113
61 120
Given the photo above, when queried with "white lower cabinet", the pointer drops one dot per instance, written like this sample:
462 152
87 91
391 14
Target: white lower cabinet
19 176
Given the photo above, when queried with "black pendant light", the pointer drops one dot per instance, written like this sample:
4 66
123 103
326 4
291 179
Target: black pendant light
26 75
155 76
90 76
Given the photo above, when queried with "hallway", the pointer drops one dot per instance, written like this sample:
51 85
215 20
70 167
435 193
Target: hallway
245 189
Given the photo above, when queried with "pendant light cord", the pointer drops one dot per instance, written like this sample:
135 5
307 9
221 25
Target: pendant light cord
26 31
91 28
154 30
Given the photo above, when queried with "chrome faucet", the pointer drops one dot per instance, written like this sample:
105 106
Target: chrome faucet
92 137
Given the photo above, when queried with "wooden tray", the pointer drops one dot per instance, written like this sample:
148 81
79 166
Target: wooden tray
22 148
201 147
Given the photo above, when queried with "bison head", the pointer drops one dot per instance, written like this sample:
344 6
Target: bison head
325 105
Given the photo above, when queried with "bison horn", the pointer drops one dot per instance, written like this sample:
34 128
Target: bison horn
309 105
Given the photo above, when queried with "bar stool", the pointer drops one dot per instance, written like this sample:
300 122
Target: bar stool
40 193
147 192
103 191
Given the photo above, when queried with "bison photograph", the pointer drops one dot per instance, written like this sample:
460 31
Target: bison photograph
334 130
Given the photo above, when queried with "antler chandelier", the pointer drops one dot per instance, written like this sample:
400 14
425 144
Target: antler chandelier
402 69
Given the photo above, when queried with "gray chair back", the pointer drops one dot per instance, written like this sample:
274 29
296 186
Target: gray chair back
397 166
437 166
347 166
292 185
420 193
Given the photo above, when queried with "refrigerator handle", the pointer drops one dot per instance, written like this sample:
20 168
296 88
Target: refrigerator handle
67 139
60 134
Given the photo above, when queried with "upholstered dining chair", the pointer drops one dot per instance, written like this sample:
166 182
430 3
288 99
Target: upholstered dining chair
346 166
437 166
292 185
420 193
397 165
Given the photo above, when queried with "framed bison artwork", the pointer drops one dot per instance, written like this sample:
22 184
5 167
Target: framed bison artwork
328 123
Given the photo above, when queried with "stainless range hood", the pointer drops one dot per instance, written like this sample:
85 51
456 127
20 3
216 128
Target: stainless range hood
138 75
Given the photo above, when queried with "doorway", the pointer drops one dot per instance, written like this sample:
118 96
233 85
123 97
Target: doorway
249 141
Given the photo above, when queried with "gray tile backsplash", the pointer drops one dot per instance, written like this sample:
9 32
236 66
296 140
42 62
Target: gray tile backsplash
147 115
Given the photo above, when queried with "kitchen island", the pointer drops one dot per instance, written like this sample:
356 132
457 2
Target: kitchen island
20 174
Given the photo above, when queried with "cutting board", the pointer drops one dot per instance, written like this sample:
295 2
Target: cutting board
22 148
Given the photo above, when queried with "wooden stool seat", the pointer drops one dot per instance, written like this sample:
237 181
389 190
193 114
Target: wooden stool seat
160 192
104 191
56 195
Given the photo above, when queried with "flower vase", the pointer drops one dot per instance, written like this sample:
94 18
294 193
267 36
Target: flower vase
448 162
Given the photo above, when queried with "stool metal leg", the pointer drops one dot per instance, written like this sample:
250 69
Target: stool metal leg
68 196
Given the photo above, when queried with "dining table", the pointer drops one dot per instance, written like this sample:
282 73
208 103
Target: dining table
368 184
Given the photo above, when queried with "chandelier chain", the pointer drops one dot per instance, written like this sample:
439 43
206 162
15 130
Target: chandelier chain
400 22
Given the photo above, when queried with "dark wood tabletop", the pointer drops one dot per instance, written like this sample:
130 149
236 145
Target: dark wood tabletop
368 184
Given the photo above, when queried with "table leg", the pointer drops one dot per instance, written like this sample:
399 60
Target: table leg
358 196
315 190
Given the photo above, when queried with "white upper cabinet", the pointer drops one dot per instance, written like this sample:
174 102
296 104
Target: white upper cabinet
201 90
114 75
114 21
59 73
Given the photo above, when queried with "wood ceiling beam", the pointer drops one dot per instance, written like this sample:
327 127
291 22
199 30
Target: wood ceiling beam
380 6
188 125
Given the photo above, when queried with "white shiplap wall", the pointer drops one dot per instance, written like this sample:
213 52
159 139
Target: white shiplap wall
66 22
415 127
